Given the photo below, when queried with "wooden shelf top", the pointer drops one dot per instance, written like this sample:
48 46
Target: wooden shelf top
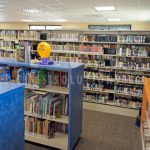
59 140
99 91
63 119
54 89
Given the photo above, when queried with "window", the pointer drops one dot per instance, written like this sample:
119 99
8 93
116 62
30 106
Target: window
110 27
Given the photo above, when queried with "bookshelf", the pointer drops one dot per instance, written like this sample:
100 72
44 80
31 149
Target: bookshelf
68 126
12 116
102 52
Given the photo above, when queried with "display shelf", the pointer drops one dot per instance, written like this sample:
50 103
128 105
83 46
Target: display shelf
126 82
126 107
53 89
59 140
75 52
107 91
63 119
134 70
125 94
75 103
98 102
100 79
144 57
134 43
112 42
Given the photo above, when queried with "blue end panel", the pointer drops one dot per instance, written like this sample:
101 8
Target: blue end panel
75 106
11 117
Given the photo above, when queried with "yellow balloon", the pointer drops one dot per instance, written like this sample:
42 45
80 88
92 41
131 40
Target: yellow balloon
44 49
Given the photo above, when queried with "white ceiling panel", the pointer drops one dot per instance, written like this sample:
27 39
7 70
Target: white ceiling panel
73 10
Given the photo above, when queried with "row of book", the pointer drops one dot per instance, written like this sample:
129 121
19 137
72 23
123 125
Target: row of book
7 54
130 63
139 51
56 78
64 36
4 74
21 34
8 44
98 75
129 102
43 128
78 48
34 78
100 38
38 78
98 85
47 105
2 33
88 61
129 78
134 39
130 89
97 98
34 35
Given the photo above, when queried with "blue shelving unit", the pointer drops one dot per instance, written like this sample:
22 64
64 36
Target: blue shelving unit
11 116
75 72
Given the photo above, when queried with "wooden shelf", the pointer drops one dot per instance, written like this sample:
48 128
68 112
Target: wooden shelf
101 79
98 102
99 91
146 70
124 94
134 56
54 89
59 140
134 43
80 52
63 119
125 82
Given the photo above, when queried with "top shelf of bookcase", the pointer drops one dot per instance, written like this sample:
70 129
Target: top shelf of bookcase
61 66
5 87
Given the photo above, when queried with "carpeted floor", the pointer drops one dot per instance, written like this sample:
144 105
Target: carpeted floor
103 131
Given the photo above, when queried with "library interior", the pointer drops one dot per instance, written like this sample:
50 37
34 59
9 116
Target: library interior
75 75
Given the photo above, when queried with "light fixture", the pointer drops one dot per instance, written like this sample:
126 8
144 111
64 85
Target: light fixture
26 20
53 27
115 19
105 8
32 11
37 27
60 20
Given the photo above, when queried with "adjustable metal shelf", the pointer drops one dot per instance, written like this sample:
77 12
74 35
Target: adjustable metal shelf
75 94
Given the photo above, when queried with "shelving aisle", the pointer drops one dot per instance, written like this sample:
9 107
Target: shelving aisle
108 76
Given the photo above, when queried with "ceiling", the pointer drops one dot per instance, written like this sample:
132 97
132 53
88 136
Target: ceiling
73 10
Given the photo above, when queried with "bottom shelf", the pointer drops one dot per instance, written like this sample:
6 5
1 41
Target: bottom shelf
59 140
110 103
99 102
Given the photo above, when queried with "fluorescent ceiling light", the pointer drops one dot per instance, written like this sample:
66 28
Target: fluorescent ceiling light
105 8
117 19
61 20
37 27
53 27
32 11
26 20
